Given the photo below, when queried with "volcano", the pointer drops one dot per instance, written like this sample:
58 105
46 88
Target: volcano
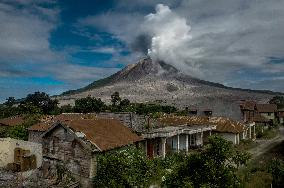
158 82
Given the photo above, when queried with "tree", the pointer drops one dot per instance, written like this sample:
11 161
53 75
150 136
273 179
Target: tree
214 167
124 168
124 103
278 100
89 104
115 98
42 101
10 101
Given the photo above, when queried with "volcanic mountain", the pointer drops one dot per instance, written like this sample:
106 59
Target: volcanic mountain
158 82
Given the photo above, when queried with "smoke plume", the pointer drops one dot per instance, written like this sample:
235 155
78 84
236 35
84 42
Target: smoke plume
170 38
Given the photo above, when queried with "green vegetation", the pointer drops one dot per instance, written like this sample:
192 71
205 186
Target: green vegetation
89 104
216 166
278 100
268 133
265 170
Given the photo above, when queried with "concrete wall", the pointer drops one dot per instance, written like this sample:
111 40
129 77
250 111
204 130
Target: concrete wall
61 145
35 136
8 145
268 115
230 137
134 121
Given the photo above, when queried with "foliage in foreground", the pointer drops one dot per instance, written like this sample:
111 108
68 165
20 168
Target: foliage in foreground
214 167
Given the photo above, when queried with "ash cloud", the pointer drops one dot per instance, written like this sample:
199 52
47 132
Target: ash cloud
142 43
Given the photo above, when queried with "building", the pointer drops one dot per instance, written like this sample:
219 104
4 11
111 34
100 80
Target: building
169 134
248 110
268 111
233 131
280 115
76 144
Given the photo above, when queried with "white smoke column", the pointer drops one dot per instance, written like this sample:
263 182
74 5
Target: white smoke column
171 37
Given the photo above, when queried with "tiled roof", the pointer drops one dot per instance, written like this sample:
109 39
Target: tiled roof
266 108
222 124
12 121
105 133
48 121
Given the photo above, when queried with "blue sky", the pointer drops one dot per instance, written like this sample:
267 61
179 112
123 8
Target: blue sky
54 46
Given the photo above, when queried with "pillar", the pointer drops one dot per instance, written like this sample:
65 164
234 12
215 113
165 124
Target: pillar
210 132
186 143
201 137
178 143
254 134
250 132
164 140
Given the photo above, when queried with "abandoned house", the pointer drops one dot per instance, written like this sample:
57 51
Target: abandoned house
174 134
182 133
77 143
280 115
267 110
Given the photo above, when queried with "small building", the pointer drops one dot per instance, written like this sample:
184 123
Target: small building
268 111
232 130
280 116
77 143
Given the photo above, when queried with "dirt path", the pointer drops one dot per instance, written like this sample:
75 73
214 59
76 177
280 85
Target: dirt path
265 145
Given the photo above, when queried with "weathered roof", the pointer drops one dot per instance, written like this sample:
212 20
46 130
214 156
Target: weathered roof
12 121
48 121
222 124
266 108
105 133
281 110
248 105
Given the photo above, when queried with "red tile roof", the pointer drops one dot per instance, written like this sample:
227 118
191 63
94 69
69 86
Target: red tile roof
12 121
105 133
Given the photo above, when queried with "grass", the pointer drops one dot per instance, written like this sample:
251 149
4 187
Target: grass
246 145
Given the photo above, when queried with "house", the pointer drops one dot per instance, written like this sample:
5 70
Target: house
233 131
170 134
76 144
280 115
268 111
248 110
46 122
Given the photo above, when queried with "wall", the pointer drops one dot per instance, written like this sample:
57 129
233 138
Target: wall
267 116
8 145
35 136
230 137
61 145
131 120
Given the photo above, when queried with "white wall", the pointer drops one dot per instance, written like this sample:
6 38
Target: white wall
230 137
8 145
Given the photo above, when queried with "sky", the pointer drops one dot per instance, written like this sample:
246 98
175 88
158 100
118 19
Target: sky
53 46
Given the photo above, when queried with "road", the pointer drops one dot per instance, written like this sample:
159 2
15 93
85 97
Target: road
266 145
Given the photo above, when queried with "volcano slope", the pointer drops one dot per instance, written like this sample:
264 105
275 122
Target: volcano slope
158 82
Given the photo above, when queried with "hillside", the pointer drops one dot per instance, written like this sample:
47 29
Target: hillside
149 81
